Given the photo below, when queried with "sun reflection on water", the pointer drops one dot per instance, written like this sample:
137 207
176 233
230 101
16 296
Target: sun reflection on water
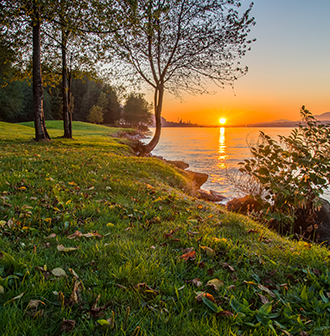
222 156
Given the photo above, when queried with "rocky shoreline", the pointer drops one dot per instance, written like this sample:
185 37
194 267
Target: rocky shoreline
319 232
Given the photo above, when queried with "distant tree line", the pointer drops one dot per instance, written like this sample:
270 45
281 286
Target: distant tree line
92 100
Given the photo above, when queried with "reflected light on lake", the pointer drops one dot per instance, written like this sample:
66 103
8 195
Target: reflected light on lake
214 151
222 149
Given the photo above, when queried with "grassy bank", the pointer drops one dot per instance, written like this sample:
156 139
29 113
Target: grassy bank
95 241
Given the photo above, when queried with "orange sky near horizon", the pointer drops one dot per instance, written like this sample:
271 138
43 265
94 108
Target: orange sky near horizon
288 67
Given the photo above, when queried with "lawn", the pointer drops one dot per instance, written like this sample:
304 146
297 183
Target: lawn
96 241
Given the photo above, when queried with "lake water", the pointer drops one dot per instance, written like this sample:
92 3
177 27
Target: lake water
214 151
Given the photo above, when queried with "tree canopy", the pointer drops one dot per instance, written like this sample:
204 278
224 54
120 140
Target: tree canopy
137 111
181 45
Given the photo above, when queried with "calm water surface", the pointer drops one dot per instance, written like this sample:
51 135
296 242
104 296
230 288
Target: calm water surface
214 151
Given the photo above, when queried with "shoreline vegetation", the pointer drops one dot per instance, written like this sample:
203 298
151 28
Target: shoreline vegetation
97 241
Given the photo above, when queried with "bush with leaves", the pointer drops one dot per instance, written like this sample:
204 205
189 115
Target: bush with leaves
95 115
293 171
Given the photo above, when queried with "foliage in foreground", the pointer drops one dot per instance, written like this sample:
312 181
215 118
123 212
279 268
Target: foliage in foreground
293 173
95 241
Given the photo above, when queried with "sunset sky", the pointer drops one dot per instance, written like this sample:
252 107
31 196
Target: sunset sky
289 66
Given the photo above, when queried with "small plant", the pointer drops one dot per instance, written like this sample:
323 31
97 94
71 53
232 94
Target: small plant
293 172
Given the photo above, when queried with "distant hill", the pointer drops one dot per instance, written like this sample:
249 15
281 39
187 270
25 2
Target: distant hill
275 123
324 117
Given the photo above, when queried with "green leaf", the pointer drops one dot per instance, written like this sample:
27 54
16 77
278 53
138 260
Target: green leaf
265 309
210 304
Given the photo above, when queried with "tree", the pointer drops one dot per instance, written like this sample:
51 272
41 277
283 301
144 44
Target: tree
110 105
137 111
79 51
11 96
20 26
178 45
95 115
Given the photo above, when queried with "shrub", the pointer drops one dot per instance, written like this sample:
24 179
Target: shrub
95 115
293 172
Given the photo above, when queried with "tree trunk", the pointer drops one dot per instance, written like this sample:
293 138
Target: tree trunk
38 90
65 90
158 101
70 101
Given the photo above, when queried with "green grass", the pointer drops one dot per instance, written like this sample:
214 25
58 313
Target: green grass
94 184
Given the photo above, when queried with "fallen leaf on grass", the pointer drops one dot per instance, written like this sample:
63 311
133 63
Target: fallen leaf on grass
74 235
74 273
192 233
215 284
210 271
52 235
143 286
188 249
121 286
208 300
234 277
201 264
272 272
75 295
61 248
44 272
263 298
265 289
14 298
303 333
207 250
200 296
224 313
249 283
59 272
169 234
67 325
2 290
226 265
253 231
91 234
2 223
189 256
109 323
196 282
33 304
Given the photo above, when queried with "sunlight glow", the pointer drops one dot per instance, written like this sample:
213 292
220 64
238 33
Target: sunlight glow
222 121
222 150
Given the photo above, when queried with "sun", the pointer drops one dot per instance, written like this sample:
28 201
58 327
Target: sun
222 121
